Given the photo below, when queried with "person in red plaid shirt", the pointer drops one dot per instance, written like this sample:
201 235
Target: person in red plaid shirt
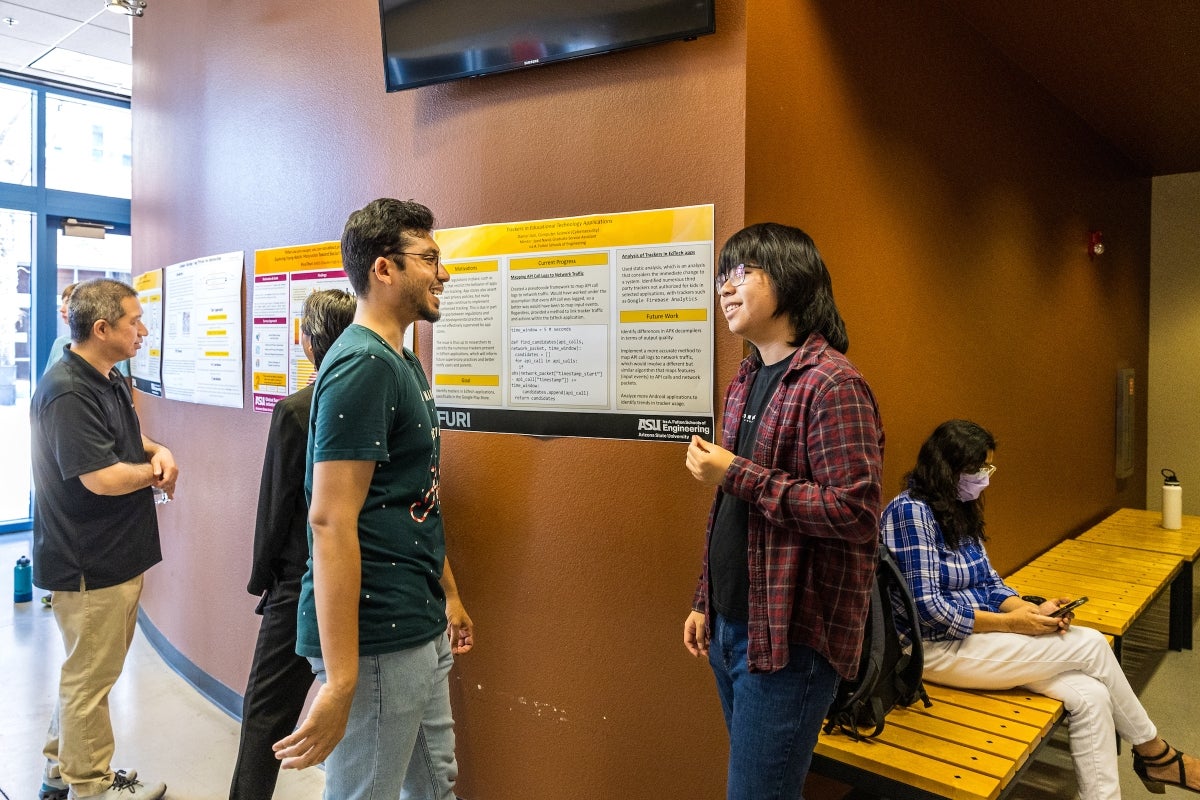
790 551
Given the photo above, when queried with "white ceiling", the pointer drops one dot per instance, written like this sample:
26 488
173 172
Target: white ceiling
73 42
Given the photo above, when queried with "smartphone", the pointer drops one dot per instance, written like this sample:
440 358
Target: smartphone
1071 606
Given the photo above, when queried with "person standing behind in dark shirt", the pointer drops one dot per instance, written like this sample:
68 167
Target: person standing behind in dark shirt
279 679
95 532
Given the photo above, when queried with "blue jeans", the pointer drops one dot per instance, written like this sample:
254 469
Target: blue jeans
399 741
773 718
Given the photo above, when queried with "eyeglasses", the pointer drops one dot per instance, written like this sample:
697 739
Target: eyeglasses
432 259
735 276
986 470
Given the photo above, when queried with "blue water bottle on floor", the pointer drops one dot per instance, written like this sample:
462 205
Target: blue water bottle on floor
22 581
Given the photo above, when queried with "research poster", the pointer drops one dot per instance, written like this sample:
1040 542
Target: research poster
283 278
202 331
146 366
594 326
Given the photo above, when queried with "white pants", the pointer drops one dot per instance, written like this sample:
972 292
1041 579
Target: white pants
1078 668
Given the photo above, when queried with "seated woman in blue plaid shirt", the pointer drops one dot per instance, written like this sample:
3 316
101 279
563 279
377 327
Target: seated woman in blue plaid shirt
978 634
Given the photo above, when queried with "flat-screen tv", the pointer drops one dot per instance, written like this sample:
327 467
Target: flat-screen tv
433 41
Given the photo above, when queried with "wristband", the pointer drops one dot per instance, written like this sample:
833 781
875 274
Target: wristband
1033 598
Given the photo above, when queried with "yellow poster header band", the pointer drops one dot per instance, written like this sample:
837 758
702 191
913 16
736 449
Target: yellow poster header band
560 262
466 380
472 267
148 280
668 315
664 226
300 258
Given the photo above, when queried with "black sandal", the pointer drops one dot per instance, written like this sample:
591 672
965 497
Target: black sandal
1158 785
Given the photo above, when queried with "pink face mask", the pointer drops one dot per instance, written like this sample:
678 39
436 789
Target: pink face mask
971 486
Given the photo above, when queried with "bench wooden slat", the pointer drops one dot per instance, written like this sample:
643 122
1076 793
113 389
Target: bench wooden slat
951 731
1113 581
968 745
1070 585
1107 559
910 768
1024 697
1144 574
996 707
950 752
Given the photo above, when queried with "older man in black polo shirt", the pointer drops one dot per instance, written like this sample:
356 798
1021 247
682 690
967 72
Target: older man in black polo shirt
95 532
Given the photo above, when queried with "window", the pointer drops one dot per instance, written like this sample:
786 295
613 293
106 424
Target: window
88 146
81 259
82 145
16 135
16 249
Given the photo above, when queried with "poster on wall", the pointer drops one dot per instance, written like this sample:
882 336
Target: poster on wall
146 366
202 330
595 326
283 278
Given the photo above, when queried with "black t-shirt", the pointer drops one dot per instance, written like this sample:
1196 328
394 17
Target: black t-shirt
281 529
729 573
81 422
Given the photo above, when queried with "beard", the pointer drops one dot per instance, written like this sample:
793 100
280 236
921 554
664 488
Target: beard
430 314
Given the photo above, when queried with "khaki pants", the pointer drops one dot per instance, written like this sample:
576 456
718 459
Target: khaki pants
97 628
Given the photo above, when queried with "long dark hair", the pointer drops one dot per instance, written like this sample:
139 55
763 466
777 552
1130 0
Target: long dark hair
955 447
797 273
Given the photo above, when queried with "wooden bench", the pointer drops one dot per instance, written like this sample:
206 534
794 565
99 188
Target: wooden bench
966 745
972 745
1120 582
1141 530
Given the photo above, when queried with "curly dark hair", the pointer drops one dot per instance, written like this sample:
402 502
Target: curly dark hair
381 228
955 447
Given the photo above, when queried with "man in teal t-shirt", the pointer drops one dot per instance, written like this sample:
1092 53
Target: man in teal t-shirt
378 597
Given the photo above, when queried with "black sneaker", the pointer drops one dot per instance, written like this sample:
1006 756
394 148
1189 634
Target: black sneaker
126 786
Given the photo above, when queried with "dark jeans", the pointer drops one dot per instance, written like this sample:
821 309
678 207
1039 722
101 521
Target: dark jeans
773 718
275 694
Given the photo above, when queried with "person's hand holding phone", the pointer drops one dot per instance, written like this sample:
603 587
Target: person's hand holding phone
1063 610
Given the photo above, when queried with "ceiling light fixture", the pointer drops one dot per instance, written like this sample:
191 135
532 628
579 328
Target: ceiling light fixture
132 8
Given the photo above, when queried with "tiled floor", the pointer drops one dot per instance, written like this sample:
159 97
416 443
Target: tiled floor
165 729
169 732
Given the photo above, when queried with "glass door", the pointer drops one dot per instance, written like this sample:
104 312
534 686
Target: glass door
63 155
84 258
16 260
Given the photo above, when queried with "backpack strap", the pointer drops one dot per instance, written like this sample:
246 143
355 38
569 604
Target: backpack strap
909 676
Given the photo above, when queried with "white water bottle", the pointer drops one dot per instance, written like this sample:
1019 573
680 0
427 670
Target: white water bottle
1172 501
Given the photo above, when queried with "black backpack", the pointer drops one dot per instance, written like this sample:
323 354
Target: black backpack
889 672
